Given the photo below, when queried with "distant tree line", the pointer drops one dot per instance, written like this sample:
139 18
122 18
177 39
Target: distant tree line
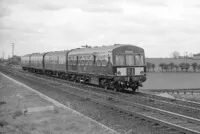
171 66
15 60
176 55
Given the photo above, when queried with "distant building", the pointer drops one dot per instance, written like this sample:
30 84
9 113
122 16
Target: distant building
196 56
1 60
181 57
185 57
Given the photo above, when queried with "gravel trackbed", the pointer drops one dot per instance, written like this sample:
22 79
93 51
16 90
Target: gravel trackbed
25 111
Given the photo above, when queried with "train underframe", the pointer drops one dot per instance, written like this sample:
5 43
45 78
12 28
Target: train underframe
121 83
107 82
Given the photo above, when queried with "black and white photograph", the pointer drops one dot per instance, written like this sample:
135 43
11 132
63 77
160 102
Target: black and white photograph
99 67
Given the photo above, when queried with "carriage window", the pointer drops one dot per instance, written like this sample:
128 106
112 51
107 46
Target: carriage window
81 61
58 60
86 58
86 62
98 61
104 62
139 59
69 60
74 61
130 60
61 60
120 60
91 60
53 60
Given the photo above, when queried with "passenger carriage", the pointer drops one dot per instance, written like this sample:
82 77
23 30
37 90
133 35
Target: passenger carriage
25 62
117 66
37 63
55 63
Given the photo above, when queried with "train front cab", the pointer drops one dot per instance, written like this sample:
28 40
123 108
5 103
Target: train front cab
129 68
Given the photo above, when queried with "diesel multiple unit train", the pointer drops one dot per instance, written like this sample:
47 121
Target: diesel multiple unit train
117 66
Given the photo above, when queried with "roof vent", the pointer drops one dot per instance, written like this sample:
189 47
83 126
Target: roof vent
86 46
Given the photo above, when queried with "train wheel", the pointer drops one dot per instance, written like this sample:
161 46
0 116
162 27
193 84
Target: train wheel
134 89
116 89
106 85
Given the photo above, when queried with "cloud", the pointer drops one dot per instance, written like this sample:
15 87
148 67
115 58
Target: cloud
4 26
51 7
111 6
4 11
36 5
10 25
102 9
159 3
84 5
45 25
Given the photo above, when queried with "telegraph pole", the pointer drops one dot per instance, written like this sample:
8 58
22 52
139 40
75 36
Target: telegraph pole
3 55
186 56
13 45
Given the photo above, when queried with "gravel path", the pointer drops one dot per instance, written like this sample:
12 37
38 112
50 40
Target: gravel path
25 112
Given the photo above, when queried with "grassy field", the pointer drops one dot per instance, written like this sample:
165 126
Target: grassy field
172 80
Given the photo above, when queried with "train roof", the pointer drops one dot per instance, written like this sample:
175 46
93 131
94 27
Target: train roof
37 54
57 53
101 49
27 55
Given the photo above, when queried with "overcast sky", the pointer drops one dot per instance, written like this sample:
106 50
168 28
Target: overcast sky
159 26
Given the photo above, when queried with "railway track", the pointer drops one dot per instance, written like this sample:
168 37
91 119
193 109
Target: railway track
170 121
191 104
186 90
186 108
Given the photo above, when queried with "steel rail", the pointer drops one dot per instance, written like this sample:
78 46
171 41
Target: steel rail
182 101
